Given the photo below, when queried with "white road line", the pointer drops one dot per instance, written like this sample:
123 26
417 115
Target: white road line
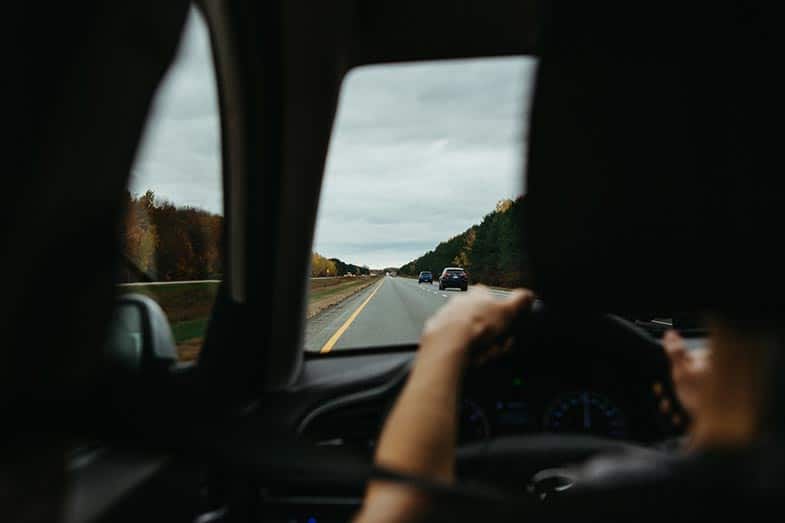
444 295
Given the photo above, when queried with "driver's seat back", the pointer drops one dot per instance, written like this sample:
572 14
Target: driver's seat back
654 178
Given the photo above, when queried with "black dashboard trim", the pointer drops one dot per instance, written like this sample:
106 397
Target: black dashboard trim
361 351
354 398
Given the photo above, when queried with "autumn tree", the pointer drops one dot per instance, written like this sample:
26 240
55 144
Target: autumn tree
349 268
321 266
171 243
141 236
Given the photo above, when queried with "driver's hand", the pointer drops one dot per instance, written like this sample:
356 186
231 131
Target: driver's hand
476 325
689 370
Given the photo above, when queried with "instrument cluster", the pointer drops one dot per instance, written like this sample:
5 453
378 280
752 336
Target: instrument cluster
593 398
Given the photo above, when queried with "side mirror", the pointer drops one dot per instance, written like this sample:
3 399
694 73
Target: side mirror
140 339
139 392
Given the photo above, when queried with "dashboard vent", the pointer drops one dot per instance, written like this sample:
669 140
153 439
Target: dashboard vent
356 426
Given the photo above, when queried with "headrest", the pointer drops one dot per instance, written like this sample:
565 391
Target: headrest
654 179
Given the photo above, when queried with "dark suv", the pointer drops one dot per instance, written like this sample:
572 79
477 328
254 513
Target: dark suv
453 277
426 277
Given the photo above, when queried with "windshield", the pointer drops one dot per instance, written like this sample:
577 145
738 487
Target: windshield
424 173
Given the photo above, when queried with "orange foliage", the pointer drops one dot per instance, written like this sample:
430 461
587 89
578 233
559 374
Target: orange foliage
171 243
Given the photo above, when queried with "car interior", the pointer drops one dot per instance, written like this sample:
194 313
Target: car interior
651 196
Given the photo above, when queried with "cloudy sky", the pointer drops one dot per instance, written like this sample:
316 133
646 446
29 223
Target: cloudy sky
419 152
180 154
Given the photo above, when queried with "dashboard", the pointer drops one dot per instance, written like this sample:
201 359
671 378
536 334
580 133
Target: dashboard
591 392
595 377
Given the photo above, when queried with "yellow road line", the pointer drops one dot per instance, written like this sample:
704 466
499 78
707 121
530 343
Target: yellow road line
327 347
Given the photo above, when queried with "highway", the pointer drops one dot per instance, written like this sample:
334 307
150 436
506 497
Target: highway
391 312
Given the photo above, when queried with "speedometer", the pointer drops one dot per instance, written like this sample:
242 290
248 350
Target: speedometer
585 413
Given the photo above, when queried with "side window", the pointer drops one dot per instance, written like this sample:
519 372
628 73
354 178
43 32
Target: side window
172 235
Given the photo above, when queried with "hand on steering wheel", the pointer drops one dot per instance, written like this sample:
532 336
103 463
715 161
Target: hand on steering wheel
477 324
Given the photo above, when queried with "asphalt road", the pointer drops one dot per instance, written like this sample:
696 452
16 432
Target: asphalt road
391 312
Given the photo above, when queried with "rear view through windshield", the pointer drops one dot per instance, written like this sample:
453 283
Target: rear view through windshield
424 173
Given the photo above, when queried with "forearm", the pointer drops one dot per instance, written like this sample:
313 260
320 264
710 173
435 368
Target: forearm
419 435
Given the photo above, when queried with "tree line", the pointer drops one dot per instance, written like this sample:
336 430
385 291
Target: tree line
491 252
322 267
164 242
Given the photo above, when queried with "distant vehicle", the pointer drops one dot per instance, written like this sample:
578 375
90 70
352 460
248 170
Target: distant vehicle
453 277
425 277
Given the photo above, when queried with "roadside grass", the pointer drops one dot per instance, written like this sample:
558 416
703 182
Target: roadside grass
323 298
319 283
186 330
321 292
188 305
182 302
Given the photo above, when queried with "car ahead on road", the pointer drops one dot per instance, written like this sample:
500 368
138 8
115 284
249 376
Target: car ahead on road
425 277
453 277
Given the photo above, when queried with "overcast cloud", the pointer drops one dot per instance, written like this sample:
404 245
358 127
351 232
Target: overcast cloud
419 152
180 154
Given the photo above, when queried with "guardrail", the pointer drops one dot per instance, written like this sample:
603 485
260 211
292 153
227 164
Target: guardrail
146 283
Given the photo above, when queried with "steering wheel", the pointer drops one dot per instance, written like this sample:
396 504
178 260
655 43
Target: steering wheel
565 330
535 460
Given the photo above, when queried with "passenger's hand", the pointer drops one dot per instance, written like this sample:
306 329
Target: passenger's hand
475 323
689 370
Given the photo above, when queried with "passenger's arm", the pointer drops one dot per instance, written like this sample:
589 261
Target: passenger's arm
420 433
